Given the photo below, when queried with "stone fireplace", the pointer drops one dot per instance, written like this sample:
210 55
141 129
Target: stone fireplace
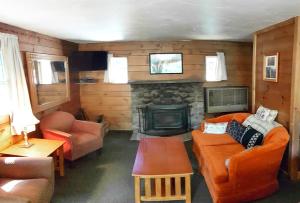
162 96
164 119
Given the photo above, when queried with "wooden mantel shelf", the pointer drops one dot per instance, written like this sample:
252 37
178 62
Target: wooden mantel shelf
145 82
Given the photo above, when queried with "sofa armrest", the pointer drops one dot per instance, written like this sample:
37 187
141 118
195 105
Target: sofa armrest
255 165
27 167
88 126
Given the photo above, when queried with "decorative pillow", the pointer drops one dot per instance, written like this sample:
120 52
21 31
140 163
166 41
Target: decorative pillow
235 129
215 128
227 162
266 114
251 138
260 125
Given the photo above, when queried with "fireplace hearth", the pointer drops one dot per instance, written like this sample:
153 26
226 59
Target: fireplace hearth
164 120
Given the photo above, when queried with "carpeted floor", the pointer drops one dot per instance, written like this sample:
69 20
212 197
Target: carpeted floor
106 177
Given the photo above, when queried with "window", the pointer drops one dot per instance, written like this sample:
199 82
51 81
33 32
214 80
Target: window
117 71
216 67
211 63
4 93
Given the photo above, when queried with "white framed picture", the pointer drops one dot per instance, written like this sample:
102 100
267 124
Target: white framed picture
270 68
165 63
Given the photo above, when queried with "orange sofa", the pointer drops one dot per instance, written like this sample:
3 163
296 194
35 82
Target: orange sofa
251 174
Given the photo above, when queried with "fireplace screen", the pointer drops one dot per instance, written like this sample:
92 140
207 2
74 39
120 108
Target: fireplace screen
164 120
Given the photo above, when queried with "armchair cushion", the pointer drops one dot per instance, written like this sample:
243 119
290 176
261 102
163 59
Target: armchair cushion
26 167
59 120
84 143
86 126
26 179
33 190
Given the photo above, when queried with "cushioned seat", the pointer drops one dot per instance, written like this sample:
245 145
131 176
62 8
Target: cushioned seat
84 143
216 156
32 190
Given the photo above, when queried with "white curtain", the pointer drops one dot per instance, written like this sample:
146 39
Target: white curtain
117 70
221 73
19 106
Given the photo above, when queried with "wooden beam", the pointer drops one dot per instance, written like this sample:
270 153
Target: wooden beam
254 72
295 105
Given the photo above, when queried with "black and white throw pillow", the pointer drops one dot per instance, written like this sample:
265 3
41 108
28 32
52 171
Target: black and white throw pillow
251 138
235 129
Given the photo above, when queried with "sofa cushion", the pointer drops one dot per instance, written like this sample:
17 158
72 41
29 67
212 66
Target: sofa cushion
32 189
261 126
235 129
251 138
215 128
266 114
202 139
214 158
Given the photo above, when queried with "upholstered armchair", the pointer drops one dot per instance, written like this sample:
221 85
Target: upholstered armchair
26 179
81 137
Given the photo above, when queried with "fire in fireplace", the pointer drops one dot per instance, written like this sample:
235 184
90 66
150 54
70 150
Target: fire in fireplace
164 120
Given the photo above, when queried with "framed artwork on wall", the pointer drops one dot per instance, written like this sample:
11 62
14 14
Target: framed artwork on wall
165 63
270 68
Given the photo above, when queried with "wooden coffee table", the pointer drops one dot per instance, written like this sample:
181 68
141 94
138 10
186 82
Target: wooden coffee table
163 169
40 148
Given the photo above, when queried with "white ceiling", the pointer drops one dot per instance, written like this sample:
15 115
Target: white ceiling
135 20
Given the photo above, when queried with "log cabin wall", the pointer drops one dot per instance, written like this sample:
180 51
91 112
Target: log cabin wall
275 95
113 101
34 42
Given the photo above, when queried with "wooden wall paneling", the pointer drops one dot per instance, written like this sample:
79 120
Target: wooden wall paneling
30 41
295 106
284 94
117 105
275 95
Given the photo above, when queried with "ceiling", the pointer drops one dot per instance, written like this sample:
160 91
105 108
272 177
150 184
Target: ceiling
146 20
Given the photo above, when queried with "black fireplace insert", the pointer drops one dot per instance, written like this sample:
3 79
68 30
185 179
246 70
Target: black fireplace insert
164 120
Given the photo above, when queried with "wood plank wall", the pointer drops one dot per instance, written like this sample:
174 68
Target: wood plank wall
34 42
114 100
275 95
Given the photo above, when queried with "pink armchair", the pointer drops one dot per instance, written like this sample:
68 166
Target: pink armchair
26 179
81 137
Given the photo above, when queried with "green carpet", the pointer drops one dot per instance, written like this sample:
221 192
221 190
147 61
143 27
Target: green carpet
106 178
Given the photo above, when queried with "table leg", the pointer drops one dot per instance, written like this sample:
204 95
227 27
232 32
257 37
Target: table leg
137 189
188 189
61 161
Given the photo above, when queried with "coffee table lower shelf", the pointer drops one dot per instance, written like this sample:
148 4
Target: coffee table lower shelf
162 187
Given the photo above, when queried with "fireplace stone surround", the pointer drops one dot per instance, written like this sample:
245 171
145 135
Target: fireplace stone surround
167 92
